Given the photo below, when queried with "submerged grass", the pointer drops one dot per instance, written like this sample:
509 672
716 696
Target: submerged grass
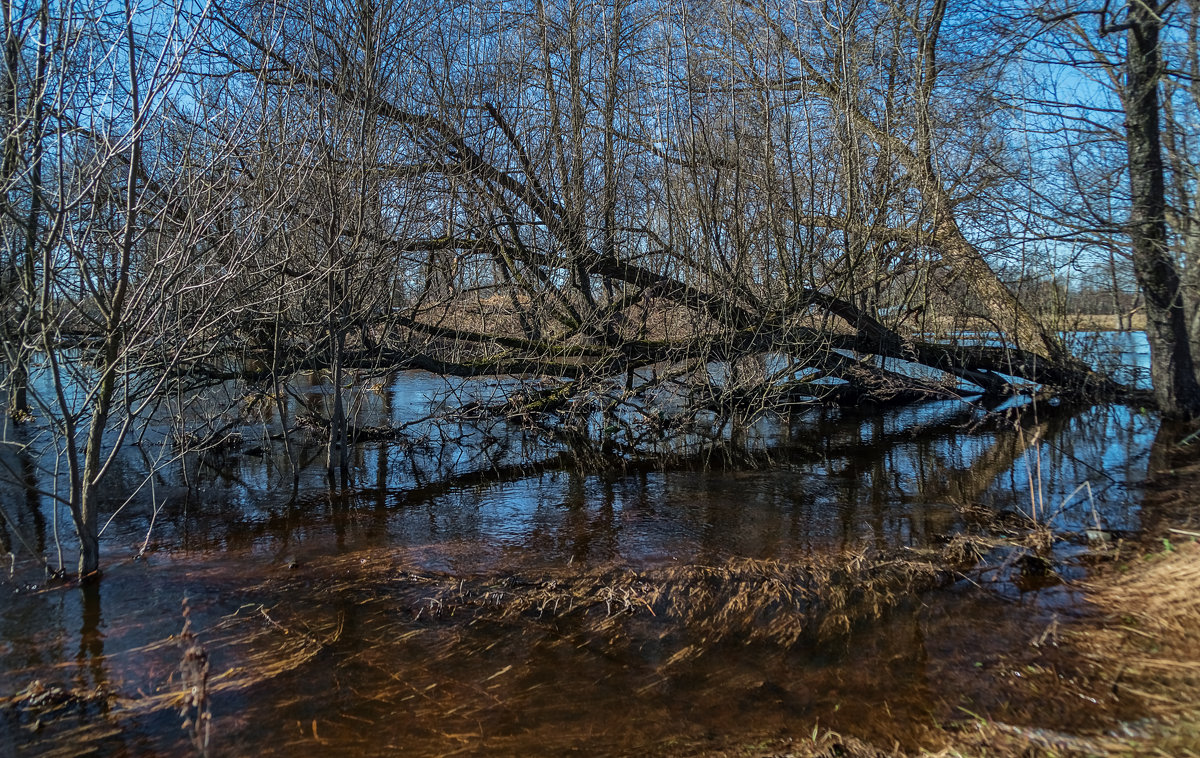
53 719
1141 643
767 601
418 625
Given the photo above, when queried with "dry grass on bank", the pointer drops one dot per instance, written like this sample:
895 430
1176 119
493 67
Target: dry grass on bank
658 319
1151 643
1144 643
1141 643
1151 639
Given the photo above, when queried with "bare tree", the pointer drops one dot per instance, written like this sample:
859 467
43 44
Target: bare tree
130 257
27 60
1130 46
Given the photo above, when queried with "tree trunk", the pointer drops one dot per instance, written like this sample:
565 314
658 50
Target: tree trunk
336 460
87 507
1171 362
965 260
85 504
24 269
89 535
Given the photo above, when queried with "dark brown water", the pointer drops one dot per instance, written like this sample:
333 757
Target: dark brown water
377 621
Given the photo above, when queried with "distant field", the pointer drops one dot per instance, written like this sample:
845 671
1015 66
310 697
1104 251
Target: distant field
1075 322
1103 322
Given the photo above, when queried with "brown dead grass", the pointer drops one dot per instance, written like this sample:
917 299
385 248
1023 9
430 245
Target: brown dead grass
768 601
737 601
1150 642
1142 643
1144 640
262 647
1106 323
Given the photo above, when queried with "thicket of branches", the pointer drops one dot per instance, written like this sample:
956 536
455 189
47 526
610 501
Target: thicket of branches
717 207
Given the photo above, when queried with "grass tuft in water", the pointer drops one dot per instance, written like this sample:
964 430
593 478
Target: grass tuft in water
195 710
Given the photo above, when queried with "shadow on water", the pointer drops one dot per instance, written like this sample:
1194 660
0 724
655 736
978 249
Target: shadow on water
450 602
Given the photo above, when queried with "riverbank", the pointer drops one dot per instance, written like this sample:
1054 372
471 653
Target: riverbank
1136 646
1141 644
1148 638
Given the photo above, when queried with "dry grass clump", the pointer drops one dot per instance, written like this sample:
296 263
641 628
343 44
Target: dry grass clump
1151 644
252 645
746 600
822 743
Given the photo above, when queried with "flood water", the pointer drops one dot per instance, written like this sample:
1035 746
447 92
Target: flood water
431 609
